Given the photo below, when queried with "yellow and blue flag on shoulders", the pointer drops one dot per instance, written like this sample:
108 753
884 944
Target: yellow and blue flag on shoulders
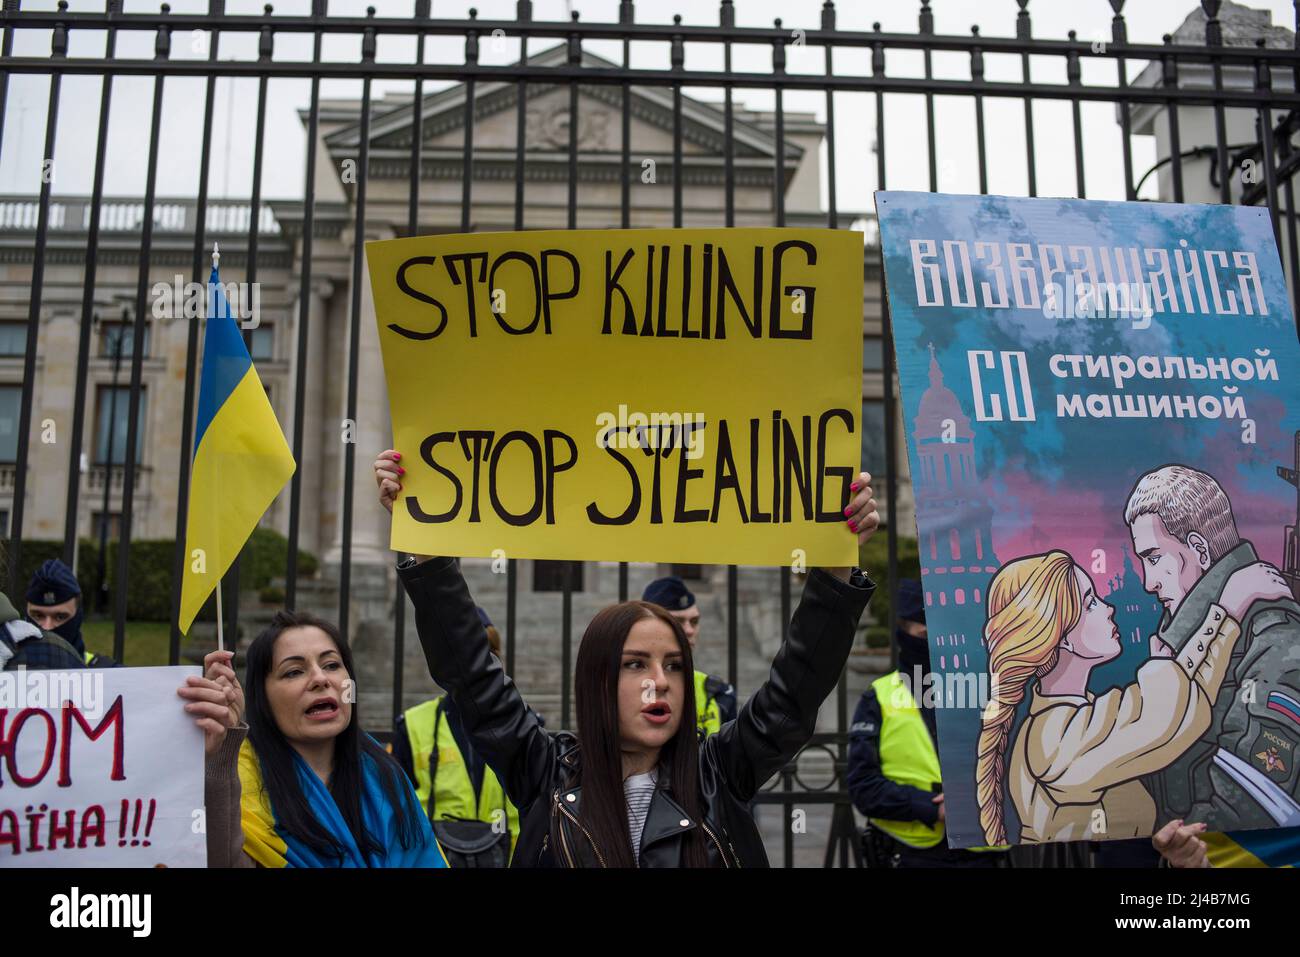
241 460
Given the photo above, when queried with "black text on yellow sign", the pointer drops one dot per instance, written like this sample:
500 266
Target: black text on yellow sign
624 395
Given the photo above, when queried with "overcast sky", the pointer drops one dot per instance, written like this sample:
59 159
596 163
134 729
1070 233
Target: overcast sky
235 111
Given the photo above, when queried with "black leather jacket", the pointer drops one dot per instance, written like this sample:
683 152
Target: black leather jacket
539 770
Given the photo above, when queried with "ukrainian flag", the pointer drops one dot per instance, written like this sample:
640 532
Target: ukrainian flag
241 460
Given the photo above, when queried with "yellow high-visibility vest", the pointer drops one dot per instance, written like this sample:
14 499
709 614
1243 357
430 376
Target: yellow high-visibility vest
907 756
708 717
453 792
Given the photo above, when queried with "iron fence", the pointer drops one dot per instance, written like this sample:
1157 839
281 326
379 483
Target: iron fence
1271 151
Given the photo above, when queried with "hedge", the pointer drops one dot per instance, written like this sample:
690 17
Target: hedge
149 570
873 558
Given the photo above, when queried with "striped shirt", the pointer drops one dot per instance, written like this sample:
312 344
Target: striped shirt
639 789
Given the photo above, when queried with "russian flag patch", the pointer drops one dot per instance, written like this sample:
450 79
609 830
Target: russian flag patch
1284 705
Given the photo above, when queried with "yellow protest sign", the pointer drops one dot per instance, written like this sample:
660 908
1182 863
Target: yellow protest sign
665 395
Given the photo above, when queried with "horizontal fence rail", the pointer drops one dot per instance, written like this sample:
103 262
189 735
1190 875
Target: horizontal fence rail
1257 80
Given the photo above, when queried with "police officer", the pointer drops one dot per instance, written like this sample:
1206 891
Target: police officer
54 604
893 774
474 821
715 699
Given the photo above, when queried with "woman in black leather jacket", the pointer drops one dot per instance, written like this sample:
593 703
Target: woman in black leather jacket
642 790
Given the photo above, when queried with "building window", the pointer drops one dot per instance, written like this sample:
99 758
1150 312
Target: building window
873 353
873 438
954 543
959 596
111 334
261 342
11 400
549 576
114 407
979 547
13 338
4 523
98 520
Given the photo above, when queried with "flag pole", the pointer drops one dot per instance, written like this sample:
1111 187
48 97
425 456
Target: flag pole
221 631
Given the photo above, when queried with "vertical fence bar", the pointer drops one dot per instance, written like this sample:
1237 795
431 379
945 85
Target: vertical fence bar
354 329
467 158
265 50
1072 77
1214 40
162 50
626 17
524 14
6 49
838 823
412 229
977 77
677 58
727 21
778 208
1264 122
186 455
70 512
1024 31
574 57
1119 35
58 50
1169 78
1285 153
926 28
887 369
318 13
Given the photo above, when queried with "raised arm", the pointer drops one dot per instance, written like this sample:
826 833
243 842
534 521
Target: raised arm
501 726
508 733
782 715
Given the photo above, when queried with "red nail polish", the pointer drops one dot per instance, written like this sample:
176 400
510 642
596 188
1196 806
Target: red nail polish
397 456
853 525
401 471
848 509
853 487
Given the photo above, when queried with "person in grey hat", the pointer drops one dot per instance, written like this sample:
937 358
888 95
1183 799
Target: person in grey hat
717 695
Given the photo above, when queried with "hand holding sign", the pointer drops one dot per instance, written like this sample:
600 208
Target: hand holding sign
217 702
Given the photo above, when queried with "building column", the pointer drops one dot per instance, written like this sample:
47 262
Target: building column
315 431
371 433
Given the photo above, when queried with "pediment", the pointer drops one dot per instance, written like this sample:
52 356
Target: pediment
600 109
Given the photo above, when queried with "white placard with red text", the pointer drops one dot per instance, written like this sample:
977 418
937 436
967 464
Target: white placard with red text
100 768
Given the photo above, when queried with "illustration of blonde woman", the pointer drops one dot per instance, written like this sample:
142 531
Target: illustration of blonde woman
1072 768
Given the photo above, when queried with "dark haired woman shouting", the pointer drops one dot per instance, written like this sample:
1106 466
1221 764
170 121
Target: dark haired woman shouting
308 787
640 788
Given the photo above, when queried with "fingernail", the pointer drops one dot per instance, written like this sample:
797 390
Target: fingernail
397 456
853 487
848 509
401 471
853 525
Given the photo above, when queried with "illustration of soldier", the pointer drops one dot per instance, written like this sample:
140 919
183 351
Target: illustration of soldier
1243 771
1072 767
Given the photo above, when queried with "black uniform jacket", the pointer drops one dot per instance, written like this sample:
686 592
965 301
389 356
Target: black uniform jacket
541 771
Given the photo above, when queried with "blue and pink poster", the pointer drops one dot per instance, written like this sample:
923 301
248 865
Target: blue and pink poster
1100 407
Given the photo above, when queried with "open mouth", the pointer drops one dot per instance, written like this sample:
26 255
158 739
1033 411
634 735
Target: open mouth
323 710
657 713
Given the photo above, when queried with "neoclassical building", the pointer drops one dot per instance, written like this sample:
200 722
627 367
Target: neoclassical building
279 268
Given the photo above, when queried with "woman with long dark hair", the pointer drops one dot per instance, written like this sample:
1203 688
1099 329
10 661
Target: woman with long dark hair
637 788
308 787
